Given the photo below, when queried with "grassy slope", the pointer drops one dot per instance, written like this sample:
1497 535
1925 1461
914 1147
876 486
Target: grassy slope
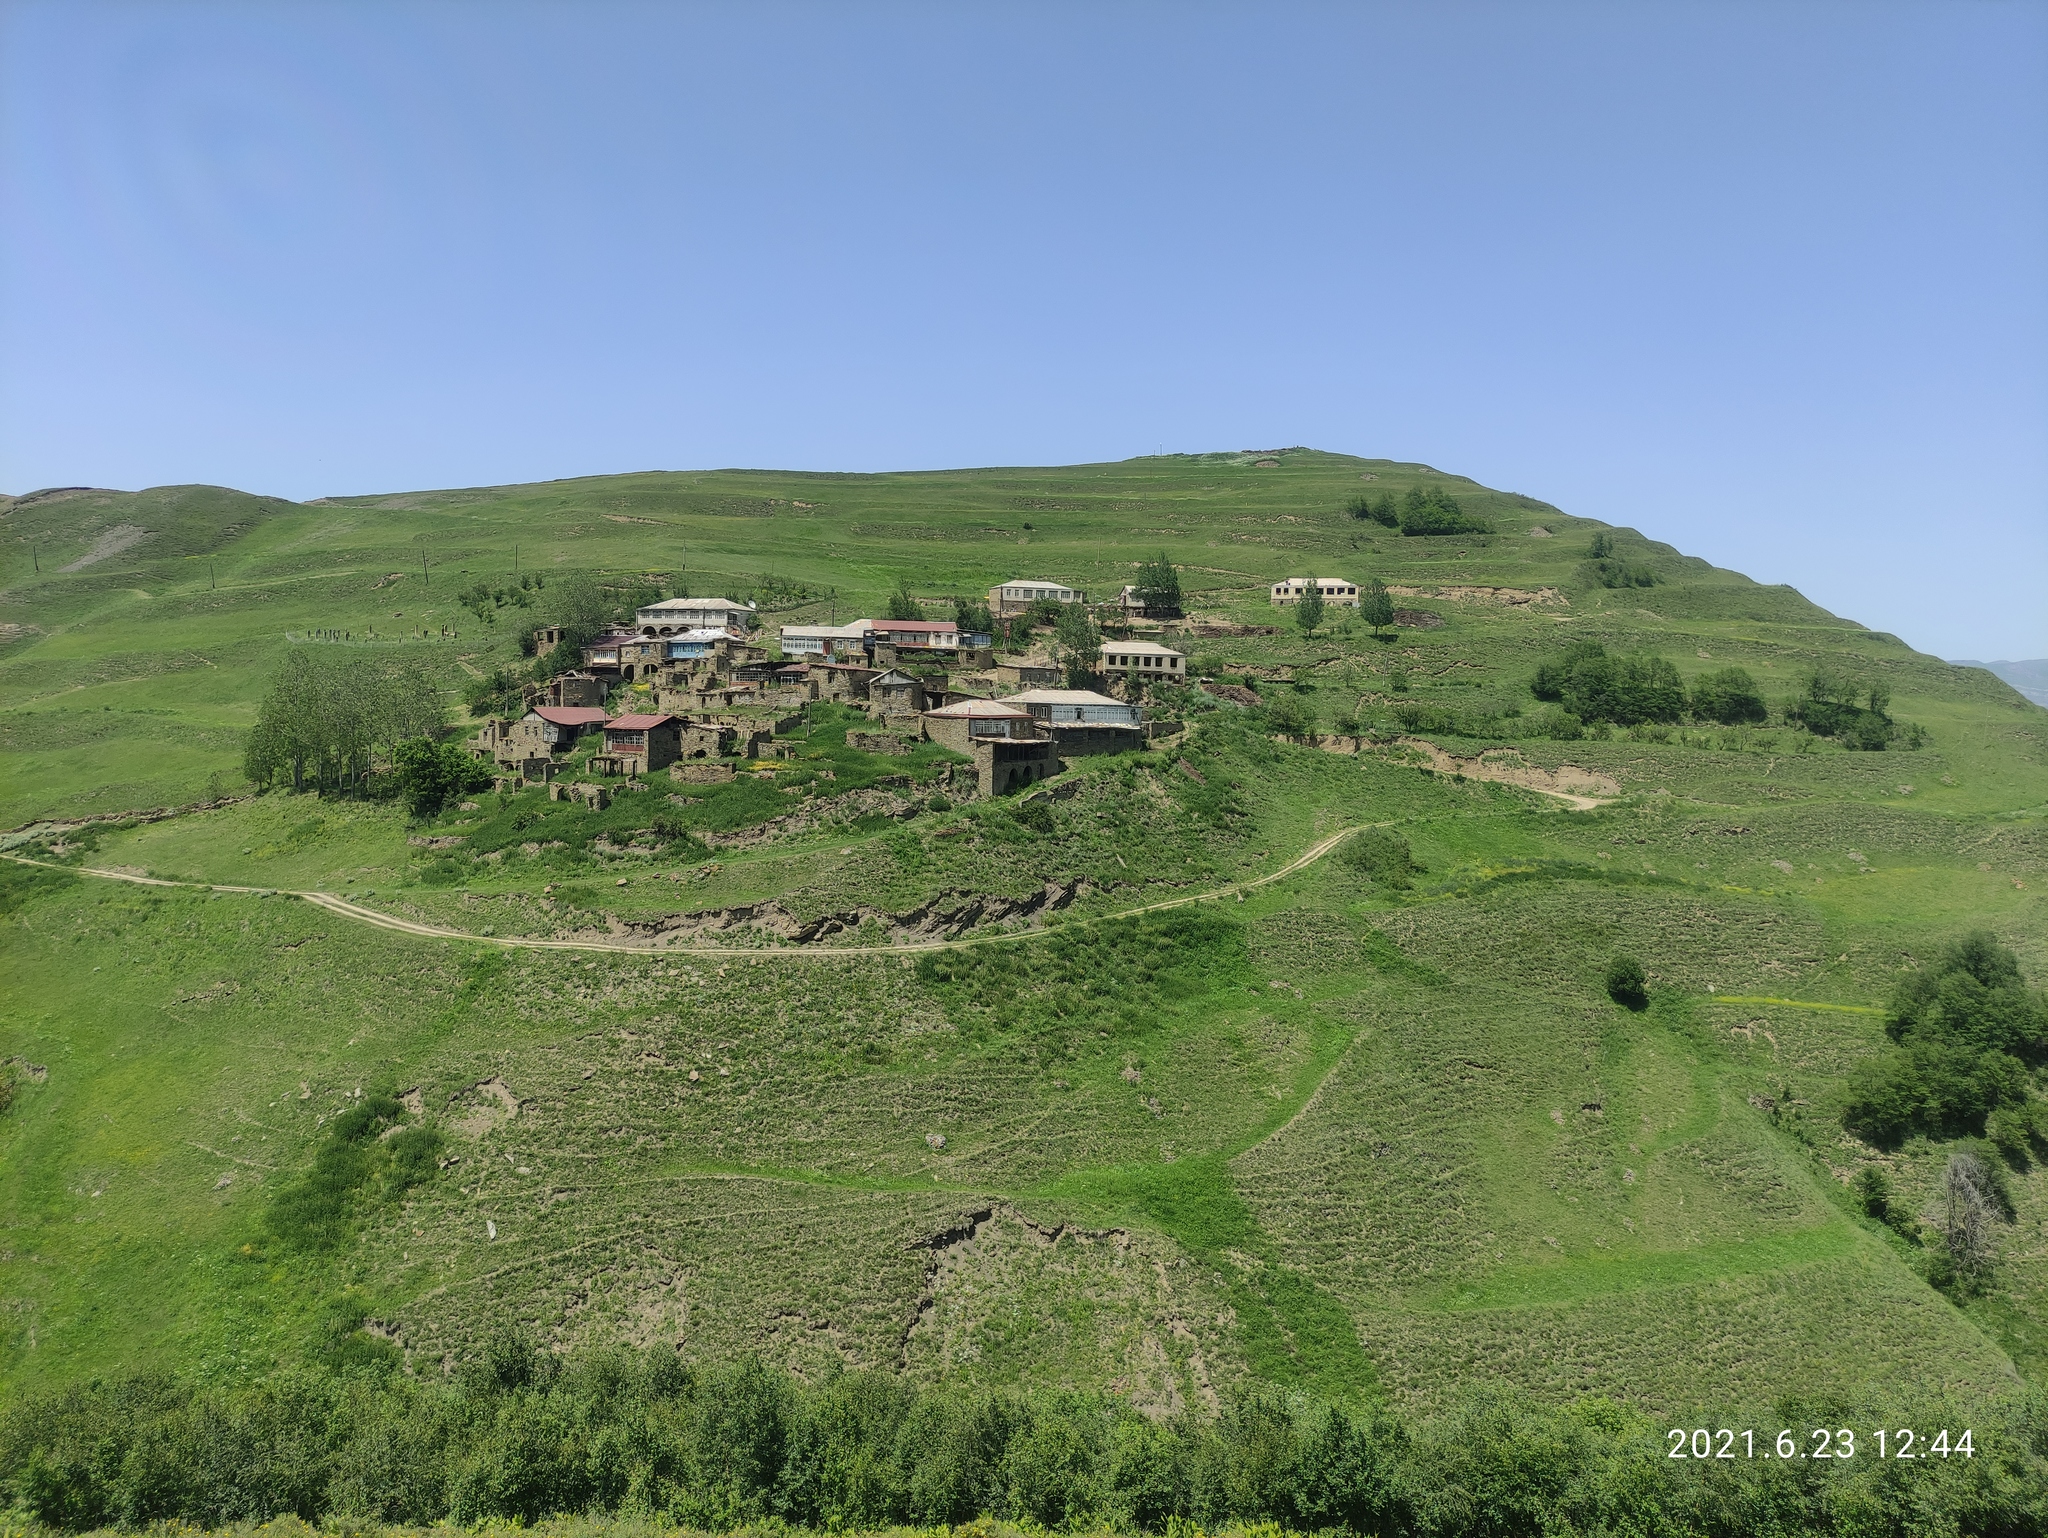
1435 1155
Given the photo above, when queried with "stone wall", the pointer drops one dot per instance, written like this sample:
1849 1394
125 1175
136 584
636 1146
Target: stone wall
888 744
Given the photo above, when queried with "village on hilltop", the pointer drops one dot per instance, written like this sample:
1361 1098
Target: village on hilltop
704 694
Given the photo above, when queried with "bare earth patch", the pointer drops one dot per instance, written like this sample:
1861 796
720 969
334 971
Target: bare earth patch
1511 597
122 536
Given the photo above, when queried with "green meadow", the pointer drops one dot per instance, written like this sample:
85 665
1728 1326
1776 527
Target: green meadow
1170 1136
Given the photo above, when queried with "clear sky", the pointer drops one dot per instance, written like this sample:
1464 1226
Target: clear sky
1768 281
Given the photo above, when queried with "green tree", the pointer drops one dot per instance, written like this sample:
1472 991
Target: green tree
431 774
1158 588
1376 606
326 713
903 603
971 615
1076 644
1308 609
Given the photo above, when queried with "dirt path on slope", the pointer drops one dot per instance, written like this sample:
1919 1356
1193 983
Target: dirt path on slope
341 907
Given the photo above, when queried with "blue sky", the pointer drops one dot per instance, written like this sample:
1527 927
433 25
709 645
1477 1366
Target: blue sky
1767 281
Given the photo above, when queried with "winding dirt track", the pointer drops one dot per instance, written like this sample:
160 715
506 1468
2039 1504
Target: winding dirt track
343 908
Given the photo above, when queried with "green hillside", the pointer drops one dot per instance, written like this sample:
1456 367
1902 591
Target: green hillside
1379 1137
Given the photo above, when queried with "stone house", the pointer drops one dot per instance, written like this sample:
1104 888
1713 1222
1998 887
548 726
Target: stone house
1026 674
550 729
643 743
895 694
567 689
1083 722
1008 747
846 682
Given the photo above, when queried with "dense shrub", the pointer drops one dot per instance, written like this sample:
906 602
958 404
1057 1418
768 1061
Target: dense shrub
1290 714
1381 509
368 1153
1627 691
1380 854
1968 1028
1432 510
1729 696
1626 983
1603 568
613 1432
1834 705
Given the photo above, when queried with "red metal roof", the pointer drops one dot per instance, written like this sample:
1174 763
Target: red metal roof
569 715
893 625
636 723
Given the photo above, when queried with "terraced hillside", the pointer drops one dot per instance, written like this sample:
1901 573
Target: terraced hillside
839 1068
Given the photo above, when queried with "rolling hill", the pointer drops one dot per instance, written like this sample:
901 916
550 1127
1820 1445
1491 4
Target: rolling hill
1174 1129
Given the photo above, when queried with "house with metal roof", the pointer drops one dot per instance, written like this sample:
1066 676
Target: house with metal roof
689 644
895 694
643 743
1008 747
672 616
1083 722
825 640
1077 707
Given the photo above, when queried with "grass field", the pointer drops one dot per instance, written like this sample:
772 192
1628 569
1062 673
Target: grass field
1377 1143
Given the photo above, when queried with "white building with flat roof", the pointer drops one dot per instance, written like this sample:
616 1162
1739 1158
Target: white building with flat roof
1335 590
1146 659
1020 593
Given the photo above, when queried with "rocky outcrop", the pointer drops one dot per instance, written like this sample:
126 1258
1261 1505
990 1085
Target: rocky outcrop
946 916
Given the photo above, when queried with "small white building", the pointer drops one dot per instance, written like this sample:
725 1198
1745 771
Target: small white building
1335 590
1076 706
1145 659
672 616
1020 593
824 640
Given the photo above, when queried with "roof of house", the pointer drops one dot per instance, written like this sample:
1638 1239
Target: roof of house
680 605
1304 581
569 715
852 632
1054 587
1066 697
892 677
981 710
913 624
1149 648
704 633
637 723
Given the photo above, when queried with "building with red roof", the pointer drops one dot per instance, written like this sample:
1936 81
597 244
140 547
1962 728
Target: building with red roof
644 742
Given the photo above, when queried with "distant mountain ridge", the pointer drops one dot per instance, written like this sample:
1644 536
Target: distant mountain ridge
2030 678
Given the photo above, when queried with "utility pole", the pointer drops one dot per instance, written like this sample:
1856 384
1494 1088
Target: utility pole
212 578
424 578
33 556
